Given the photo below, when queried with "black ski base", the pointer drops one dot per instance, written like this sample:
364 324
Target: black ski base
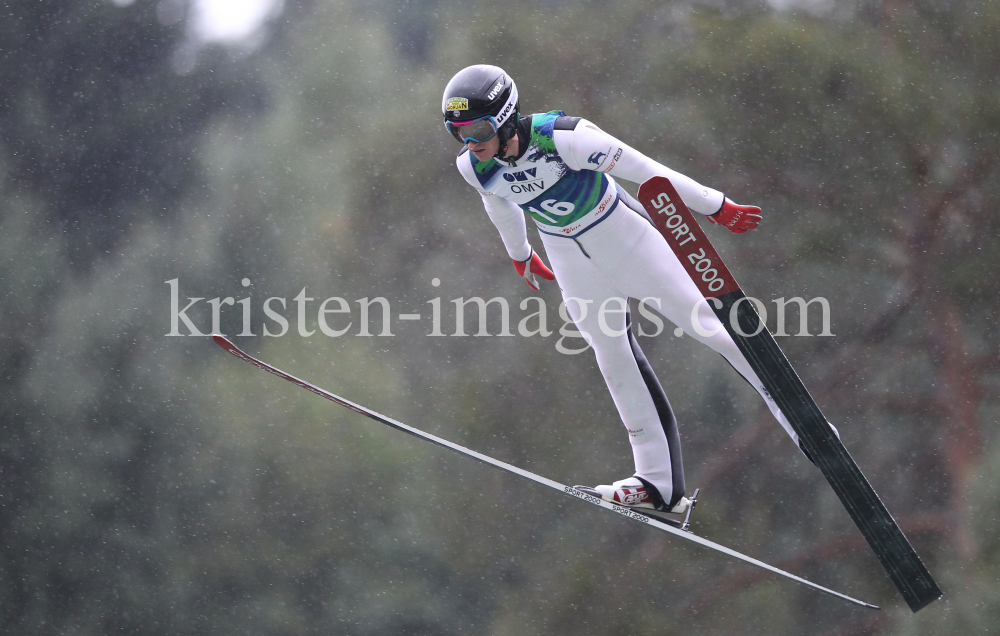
825 449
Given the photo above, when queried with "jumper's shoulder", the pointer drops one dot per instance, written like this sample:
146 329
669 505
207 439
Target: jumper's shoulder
545 123
584 146
479 174
464 165
566 128
565 122
552 120
462 157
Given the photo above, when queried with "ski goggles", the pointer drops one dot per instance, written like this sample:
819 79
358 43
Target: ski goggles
477 130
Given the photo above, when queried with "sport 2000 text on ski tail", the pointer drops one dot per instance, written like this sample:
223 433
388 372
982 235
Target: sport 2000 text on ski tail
678 226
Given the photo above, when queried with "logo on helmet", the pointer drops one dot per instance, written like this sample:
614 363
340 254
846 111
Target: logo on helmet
457 103
496 90
505 113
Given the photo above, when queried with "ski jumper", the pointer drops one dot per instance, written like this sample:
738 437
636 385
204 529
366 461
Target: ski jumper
603 251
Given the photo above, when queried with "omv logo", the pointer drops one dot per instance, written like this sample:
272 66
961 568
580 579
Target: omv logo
520 176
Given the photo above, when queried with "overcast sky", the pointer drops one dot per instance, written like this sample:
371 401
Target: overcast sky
230 20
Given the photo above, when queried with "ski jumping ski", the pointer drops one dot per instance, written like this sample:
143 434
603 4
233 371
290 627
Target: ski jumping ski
666 525
678 226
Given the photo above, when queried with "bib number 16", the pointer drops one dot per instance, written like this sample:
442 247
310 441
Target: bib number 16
555 208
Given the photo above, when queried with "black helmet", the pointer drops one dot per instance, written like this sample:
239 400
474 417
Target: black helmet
481 101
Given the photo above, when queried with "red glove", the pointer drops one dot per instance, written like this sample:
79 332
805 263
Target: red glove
738 218
536 267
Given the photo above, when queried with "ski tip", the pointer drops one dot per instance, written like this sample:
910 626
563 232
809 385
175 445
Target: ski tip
224 342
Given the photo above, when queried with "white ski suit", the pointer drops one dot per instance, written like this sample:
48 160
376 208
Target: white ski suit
603 251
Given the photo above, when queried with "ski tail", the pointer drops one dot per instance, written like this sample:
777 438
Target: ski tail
862 503
653 522
705 267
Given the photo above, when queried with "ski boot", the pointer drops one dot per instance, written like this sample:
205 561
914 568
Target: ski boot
640 495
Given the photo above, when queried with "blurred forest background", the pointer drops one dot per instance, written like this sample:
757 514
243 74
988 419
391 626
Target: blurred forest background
154 485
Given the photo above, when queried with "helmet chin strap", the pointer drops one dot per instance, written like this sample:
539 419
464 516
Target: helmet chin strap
502 150
502 134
